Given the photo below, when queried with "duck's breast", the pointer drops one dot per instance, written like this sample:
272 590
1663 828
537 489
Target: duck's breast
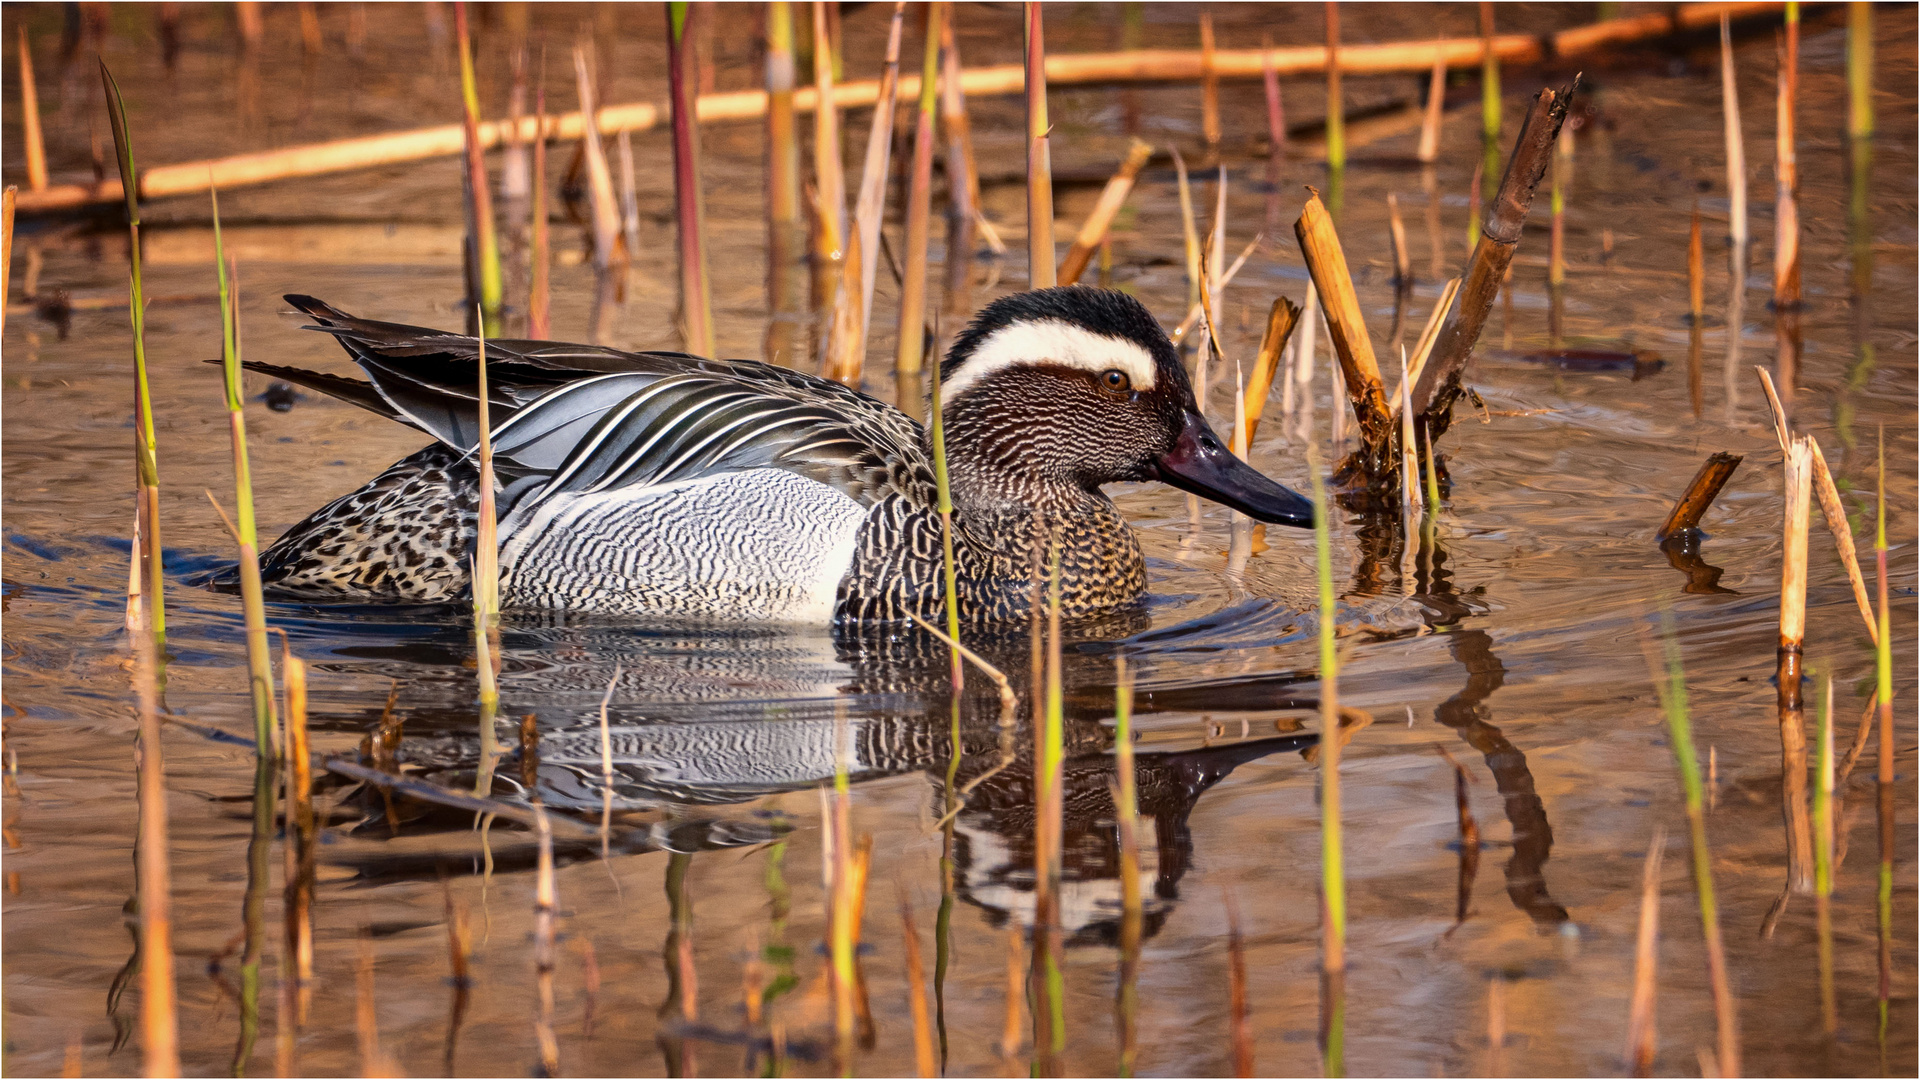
762 545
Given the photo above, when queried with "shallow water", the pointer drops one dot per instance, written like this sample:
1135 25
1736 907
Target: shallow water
1513 640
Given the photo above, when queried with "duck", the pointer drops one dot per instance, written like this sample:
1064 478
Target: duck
666 486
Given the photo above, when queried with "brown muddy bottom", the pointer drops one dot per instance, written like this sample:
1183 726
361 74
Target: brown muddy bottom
1512 637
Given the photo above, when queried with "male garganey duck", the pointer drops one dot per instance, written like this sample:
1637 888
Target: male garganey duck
665 485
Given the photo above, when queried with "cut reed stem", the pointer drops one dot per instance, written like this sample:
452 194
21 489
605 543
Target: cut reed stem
1701 491
696 303
1793 622
1360 371
147 613
1282 318
1040 253
486 243
34 143
1642 1024
1094 232
910 346
1673 697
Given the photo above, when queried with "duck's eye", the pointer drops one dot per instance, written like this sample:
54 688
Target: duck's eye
1115 381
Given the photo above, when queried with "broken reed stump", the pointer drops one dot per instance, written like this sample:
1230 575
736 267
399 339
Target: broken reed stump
1438 387
1793 625
1700 493
1327 264
1282 317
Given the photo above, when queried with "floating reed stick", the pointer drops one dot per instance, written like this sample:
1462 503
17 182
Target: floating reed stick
696 303
1883 683
539 298
910 348
30 135
259 661
543 951
147 613
785 228
1793 622
1139 65
1327 263
1736 146
1240 1033
1439 383
1642 1027
1094 232
1336 101
486 241
916 976
1040 253
1673 697
1209 85
1127 822
1429 148
1282 317
1701 491
1823 859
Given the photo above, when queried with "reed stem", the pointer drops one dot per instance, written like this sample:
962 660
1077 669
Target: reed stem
1336 101
1823 859
1489 82
539 297
1883 683
1049 799
1282 318
159 1023
916 976
1736 146
1209 85
30 135
480 206
1127 822
1859 69
1093 233
963 179
1428 151
696 304
785 227
1793 621
910 347
147 613
1333 882
1360 371
1040 253
1673 697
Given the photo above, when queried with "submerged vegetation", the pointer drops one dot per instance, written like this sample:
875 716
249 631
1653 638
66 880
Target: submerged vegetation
1070 805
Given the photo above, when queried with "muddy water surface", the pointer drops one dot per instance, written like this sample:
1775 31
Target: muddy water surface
1513 638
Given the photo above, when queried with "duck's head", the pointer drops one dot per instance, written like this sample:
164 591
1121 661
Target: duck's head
1079 387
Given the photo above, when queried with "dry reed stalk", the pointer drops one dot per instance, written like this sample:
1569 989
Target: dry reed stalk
1040 253
1701 491
923 1059
1209 84
1282 318
1336 101
1736 143
1190 231
1303 356
1429 148
910 347
34 143
696 301
149 613
1793 622
1883 684
1094 232
853 307
630 194
604 212
539 293
1139 65
1409 454
486 243
6 248
374 1059
1240 1033
259 662
1127 822
1276 112
963 179
1327 263
159 1023
1439 384
1696 271
1642 1024
544 902
1333 881
1673 698
1823 867
785 227
1213 284
830 184
1786 214
1831 507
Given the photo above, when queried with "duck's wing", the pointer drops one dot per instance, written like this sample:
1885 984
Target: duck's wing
586 418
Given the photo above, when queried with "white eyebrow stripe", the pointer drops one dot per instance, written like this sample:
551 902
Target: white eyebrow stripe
1051 341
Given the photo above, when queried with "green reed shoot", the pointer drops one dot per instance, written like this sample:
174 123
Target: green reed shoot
1860 70
1333 882
485 241
696 304
1048 826
1336 101
1127 820
1673 698
1433 476
1823 859
1489 78
259 657
1883 683
153 609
